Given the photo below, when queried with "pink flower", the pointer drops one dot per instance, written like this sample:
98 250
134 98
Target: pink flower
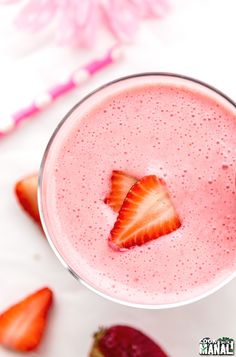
79 21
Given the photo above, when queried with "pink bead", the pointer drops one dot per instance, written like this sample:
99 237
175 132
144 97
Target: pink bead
61 89
25 113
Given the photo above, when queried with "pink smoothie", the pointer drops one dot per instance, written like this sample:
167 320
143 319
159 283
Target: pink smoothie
170 127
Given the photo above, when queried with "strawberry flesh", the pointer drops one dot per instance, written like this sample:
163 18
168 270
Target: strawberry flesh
121 183
124 341
26 193
22 325
146 214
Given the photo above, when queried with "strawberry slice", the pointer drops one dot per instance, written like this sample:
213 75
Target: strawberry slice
121 183
124 341
22 325
26 193
146 214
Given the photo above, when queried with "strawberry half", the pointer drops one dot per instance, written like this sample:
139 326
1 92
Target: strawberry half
26 193
124 341
22 325
121 183
146 214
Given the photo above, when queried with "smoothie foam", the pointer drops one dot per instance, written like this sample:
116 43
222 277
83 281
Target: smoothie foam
166 126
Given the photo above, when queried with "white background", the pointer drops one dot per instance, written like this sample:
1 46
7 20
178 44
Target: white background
197 38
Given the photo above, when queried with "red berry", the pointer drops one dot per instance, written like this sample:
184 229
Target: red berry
124 341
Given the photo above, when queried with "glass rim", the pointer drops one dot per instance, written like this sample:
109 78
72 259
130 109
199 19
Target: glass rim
39 195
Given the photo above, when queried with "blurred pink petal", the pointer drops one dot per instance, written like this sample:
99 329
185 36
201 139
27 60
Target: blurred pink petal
149 8
87 32
79 21
66 23
6 2
36 14
157 7
88 21
83 9
140 7
121 20
80 29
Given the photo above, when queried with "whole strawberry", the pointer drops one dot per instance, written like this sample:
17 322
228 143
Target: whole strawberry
124 341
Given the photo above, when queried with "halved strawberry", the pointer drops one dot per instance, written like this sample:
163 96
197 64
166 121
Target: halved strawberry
124 341
121 183
26 193
22 325
146 214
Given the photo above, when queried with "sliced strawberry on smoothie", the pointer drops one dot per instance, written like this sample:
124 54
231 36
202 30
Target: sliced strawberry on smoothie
146 214
22 325
121 183
124 341
26 193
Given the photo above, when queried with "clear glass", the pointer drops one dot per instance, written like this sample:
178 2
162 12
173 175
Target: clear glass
190 80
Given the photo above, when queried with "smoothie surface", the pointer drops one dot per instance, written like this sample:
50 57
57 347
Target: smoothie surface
176 130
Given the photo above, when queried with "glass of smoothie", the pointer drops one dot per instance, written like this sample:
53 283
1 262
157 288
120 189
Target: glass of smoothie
137 190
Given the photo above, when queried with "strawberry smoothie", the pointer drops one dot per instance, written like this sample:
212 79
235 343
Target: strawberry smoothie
163 125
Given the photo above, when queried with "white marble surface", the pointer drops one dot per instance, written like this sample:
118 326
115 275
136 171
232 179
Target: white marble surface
198 39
